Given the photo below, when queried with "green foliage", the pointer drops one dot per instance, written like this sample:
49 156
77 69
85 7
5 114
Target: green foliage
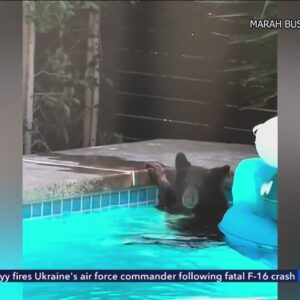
51 15
59 84
260 71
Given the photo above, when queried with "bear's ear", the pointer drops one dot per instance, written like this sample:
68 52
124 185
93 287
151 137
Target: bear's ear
181 161
220 173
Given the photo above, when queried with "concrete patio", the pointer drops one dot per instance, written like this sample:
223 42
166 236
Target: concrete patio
63 174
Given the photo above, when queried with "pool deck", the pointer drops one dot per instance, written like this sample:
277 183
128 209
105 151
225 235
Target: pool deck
63 174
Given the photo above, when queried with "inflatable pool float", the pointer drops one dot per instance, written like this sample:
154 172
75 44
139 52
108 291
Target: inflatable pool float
250 225
251 235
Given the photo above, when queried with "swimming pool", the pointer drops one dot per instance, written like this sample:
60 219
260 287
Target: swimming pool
118 238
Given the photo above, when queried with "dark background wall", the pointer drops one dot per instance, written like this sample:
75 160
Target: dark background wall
168 71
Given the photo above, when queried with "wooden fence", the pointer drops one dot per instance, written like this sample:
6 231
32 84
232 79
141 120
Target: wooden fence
164 65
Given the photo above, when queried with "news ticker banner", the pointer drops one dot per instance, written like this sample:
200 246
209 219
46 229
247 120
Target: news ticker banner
149 275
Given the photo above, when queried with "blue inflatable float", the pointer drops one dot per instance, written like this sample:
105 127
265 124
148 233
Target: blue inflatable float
250 225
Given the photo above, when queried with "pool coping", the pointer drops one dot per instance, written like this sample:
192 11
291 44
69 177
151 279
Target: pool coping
79 172
109 182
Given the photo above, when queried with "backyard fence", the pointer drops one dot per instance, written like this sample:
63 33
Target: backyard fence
136 70
173 67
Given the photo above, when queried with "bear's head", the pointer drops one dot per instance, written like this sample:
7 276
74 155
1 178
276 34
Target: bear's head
197 192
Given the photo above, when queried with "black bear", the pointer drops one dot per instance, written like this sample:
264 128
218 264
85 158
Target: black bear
191 192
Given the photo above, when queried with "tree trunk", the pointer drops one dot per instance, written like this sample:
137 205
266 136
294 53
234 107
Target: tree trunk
28 79
90 122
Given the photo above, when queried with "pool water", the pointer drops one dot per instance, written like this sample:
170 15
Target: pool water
129 238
